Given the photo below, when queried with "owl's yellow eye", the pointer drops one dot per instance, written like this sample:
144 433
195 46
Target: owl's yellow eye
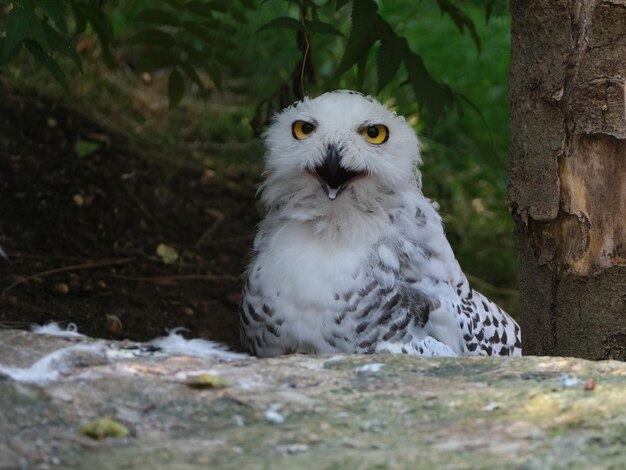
375 134
302 129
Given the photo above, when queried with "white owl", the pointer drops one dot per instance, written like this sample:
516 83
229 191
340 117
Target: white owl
351 257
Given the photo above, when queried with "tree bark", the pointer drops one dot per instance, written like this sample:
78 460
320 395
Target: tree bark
567 187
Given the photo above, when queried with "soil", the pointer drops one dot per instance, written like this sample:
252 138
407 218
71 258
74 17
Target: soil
81 221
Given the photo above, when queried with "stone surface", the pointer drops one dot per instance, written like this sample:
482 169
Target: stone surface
313 412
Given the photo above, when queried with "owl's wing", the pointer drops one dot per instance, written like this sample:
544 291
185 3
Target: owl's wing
490 330
397 319
259 330
473 325
423 324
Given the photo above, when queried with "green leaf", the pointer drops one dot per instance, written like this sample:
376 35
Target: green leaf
16 30
164 59
248 4
220 5
224 43
218 25
494 7
46 61
436 97
55 10
356 50
239 15
201 8
211 23
388 60
315 16
178 4
460 19
322 28
461 98
35 25
5 59
103 28
226 59
282 22
82 148
175 88
215 74
153 37
192 74
199 31
80 22
60 44
363 33
208 8
192 53
341 3
161 17
364 17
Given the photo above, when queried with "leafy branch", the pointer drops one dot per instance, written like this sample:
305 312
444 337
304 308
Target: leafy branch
193 39
189 37
40 28
369 30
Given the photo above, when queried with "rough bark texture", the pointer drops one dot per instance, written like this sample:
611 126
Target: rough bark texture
312 412
567 185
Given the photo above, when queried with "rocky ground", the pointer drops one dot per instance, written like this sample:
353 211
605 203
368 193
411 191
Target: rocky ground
184 412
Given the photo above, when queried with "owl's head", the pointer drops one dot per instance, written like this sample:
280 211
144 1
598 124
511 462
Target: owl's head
341 142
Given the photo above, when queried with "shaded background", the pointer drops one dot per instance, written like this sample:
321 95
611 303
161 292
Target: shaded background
128 218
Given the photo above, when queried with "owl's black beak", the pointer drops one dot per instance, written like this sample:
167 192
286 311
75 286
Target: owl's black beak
334 177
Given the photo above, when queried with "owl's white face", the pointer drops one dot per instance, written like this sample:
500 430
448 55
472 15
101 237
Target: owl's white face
340 140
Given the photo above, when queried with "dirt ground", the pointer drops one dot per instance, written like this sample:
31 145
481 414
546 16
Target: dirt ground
82 219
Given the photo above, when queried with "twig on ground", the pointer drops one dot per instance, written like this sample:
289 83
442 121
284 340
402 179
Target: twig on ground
64 269
229 240
173 279
11 325
45 257
141 206
219 218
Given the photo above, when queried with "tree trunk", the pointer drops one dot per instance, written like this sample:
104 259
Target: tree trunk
567 186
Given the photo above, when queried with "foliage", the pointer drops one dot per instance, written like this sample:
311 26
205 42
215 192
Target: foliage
371 33
177 34
187 36
41 28
466 156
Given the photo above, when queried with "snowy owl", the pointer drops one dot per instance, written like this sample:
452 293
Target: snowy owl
351 257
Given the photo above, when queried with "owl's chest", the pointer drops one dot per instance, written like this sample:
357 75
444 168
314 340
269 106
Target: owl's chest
299 269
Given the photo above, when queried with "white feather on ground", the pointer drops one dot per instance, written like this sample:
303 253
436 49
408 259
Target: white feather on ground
175 344
63 363
53 366
54 329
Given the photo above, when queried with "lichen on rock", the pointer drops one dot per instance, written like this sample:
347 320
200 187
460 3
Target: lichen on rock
335 412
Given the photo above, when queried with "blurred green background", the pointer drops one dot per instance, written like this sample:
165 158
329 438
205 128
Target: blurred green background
465 156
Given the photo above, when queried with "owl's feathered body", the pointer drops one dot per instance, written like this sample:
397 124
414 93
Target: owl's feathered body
351 256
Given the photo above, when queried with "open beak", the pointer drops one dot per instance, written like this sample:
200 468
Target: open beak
334 177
